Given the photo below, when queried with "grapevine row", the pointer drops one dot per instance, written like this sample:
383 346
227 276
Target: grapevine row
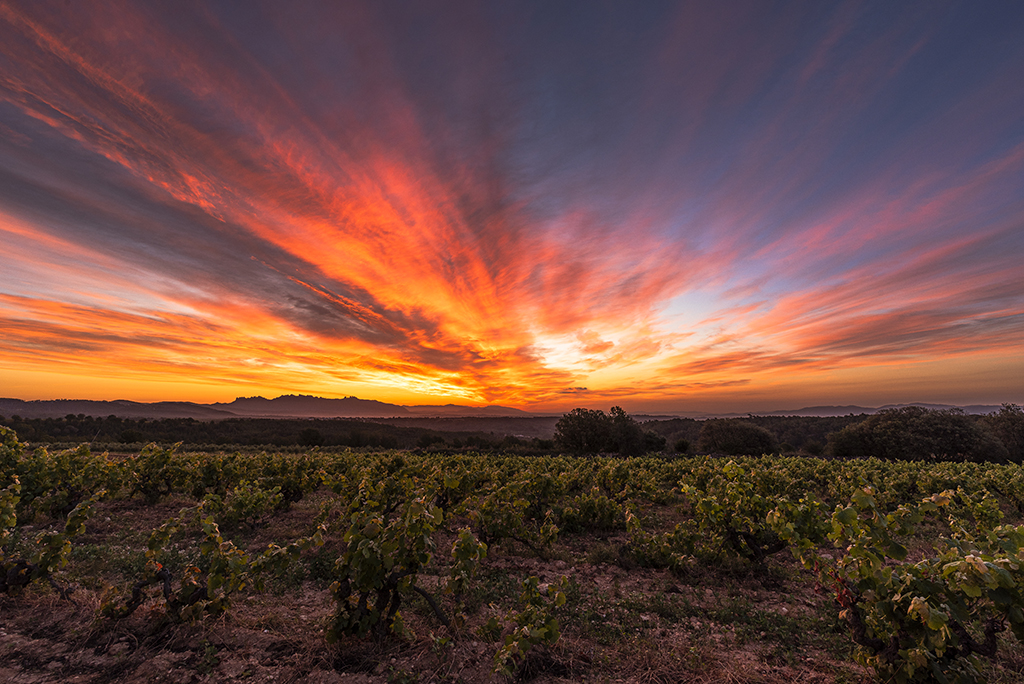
915 612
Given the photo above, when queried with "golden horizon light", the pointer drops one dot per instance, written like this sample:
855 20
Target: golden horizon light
670 208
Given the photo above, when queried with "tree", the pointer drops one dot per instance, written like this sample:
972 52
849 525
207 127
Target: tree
654 442
586 431
734 437
583 431
917 433
627 437
1008 426
311 437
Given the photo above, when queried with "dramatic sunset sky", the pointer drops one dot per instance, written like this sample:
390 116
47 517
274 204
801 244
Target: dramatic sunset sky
667 206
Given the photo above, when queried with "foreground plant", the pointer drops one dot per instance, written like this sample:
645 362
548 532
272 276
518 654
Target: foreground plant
931 619
729 515
230 570
51 548
534 623
390 538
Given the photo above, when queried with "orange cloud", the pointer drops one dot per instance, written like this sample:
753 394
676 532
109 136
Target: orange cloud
310 215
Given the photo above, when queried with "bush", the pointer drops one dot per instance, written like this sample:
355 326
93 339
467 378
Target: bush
583 431
627 437
653 442
917 433
735 438
11 454
427 440
1007 425
311 437
587 431
130 436
814 447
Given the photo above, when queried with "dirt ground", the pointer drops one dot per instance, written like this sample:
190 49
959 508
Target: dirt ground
621 623
278 638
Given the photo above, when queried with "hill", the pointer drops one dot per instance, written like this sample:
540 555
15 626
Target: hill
58 408
306 406
286 406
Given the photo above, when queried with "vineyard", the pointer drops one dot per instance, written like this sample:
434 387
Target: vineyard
321 566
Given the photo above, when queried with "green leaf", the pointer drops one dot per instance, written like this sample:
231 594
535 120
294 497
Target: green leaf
940 676
846 516
937 620
972 590
863 499
896 550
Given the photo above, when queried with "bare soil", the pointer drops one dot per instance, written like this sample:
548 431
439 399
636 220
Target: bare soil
720 623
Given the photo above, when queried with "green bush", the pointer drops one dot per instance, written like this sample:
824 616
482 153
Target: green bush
587 431
583 431
311 437
11 453
916 433
735 438
1007 425
814 447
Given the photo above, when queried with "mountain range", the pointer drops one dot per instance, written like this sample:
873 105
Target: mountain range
287 406
305 406
823 411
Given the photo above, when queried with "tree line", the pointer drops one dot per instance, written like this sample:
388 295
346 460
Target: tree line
911 433
907 433
256 432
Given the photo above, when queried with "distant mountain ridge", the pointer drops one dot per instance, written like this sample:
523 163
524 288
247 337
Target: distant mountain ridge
824 411
456 411
285 406
307 406
58 408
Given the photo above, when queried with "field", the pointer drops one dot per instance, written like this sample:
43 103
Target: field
331 566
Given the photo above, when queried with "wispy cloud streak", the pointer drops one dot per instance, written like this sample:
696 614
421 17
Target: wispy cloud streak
503 204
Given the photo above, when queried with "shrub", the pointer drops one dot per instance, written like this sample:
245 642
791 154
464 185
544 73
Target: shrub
916 433
427 440
814 447
735 438
653 442
587 431
130 436
311 437
583 431
1008 426
11 454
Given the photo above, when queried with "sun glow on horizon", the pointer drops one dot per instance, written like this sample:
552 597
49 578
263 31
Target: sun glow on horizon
330 201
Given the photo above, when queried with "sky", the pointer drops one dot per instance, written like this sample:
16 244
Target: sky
666 206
